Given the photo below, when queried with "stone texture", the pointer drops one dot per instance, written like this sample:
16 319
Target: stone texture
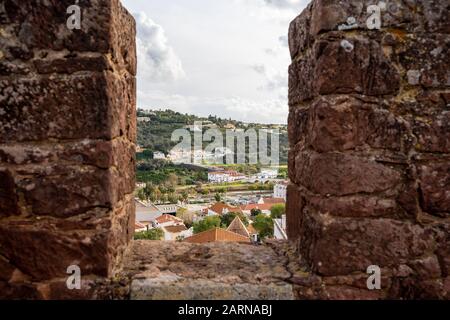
368 131
342 174
67 145
343 65
183 271
79 106
435 187
8 197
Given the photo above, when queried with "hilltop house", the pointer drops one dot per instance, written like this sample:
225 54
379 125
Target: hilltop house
225 176
167 220
219 209
265 208
159 155
280 190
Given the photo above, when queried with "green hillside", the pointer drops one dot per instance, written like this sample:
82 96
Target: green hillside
155 131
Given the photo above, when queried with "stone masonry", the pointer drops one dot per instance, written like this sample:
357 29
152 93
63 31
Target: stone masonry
369 128
67 143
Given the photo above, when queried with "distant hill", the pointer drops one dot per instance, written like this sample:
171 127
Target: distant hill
155 129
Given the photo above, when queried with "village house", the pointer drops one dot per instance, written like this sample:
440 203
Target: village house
176 232
159 155
220 208
225 176
272 201
280 190
140 227
167 220
168 208
265 208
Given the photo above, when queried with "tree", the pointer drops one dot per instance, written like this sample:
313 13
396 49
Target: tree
277 211
227 218
255 212
218 197
173 198
172 180
207 224
264 225
187 216
141 195
184 196
152 234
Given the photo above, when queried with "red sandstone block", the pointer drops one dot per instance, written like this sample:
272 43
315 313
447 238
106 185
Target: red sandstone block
435 188
8 196
425 59
433 133
43 26
357 206
422 103
96 106
43 249
71 65
334 174
300 37
297 125
294 211
64 191
100 153
341 246
328 15
351 65
61 190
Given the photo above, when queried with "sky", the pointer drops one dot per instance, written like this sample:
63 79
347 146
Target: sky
227 58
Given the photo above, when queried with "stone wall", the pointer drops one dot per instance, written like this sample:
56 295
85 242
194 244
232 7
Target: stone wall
67 152
370 148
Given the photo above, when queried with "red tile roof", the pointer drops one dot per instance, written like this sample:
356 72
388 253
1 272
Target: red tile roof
175 229
237 226
217 235
168 218
219 208
274 201
262 207
251 229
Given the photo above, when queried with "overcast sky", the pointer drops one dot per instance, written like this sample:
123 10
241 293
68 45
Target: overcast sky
222 57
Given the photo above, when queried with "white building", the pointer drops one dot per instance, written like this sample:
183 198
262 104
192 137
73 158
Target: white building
144 119
280 190
266 174
168 208
167 220
174 233
279 227
159 155
180 156
225 176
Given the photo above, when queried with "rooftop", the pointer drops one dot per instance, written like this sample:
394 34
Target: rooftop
217 235
175 229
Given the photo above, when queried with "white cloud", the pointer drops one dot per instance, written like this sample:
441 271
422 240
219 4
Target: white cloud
232 51
157 60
